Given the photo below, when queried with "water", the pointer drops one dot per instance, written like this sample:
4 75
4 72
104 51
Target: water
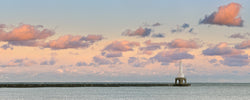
198 91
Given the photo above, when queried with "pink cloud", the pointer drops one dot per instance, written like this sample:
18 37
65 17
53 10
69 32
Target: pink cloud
226 15
147 52
180 43
221 49
35 35
93 38
121 46
67 41
243 45
231 56
25 32
151 46
236 60
149 42
166 57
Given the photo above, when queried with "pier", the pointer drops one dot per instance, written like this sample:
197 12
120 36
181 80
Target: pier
84 84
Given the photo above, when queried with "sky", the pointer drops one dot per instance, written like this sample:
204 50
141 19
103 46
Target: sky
124 40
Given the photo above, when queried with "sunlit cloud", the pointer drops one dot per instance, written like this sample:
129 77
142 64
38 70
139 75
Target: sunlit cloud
170 56
121 46
180 43
93 38
243 45
67 41
221 49
230 55
236 60
227 15
151 46
25 35
25 32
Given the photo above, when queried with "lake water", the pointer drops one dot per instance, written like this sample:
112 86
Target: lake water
198 91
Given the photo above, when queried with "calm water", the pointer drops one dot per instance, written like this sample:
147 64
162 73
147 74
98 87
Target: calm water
210 91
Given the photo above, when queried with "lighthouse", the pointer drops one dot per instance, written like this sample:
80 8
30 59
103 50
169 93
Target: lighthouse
180 80
180 73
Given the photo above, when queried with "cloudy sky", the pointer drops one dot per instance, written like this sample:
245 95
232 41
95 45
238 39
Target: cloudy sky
124 40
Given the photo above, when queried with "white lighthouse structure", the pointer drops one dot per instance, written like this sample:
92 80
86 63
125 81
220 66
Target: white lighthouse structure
180 74
180 80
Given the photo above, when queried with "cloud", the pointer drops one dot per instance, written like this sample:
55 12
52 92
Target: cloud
6 46
3 26
185 25
159 35
147 52
151 46
25 35
166 57
25 32
236 60
19 62
149 49
67 41
92 38
182 29
221 49
35 35
74 53
100 60
177 30
231 56
150 43
243 45
81 64
112 54
191 30
156 24
32 43
212 61
226 15
52 61
137 62
121 46
180 43
238 35
142 32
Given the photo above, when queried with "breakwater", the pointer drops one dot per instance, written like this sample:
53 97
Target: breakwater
83 84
